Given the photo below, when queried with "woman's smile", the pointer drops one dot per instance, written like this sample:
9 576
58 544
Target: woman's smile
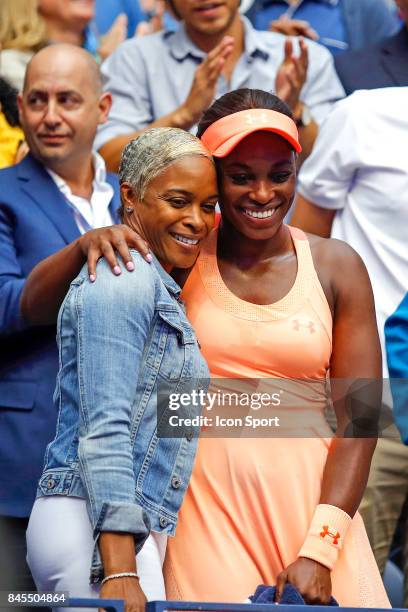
186 241
258 182
261 216
177 211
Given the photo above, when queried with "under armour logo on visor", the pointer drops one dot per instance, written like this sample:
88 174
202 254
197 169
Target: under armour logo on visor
335 536
256 119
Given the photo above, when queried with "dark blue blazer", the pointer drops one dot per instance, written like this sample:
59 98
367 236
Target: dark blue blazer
382 65
35 222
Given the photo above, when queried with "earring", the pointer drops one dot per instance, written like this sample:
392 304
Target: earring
129 210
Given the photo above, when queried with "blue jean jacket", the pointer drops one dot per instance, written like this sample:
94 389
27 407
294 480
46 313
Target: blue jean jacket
119 340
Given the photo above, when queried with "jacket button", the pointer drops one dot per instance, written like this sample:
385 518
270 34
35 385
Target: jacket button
175 482
189 436
50 483
163 522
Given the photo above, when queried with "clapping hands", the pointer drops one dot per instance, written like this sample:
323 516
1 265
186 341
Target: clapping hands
292 73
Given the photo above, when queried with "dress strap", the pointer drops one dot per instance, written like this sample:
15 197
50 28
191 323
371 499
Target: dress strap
309 277
304 256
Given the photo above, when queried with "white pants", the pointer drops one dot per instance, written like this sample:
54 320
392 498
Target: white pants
60 547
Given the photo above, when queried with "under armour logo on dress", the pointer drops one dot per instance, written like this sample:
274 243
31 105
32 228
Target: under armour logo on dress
335 536
298 325
256 119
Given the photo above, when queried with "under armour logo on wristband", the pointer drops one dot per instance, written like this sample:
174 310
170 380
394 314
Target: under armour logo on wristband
326 532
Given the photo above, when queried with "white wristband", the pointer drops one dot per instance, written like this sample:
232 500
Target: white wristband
122 575
326 535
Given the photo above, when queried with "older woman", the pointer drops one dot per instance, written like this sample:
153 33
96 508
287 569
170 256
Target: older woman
268 301
110 487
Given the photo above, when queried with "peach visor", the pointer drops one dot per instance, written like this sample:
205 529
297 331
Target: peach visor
224 135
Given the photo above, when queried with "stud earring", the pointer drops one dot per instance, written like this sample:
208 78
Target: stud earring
129 210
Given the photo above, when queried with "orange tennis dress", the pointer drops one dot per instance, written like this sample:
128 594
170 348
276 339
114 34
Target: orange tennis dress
251 499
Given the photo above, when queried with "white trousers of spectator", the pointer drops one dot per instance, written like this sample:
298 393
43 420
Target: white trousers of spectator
60 547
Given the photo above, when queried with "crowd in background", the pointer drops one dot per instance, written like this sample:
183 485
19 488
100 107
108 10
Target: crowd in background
163 66
351 31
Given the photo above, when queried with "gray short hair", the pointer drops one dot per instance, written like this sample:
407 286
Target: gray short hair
147 156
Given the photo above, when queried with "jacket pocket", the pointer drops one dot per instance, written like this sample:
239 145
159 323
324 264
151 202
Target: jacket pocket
176 350
185 333
17 395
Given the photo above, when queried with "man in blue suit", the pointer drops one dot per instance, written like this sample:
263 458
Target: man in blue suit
59 191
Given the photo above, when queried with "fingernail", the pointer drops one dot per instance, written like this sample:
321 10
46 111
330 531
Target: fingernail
92 278
117 270
130 266
149 258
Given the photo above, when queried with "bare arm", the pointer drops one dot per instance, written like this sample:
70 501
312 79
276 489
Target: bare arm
48 283
307 137
112 150
311 218
118 556
293 27
356 356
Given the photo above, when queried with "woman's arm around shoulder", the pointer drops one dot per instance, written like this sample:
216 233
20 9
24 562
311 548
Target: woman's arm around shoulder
48 282
131 290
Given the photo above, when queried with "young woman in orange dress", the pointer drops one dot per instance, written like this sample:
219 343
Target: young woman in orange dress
267 302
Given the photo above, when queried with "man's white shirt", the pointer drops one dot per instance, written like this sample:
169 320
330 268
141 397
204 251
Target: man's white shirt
359 168
93 213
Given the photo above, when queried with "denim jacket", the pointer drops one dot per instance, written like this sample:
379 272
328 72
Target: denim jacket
119 339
